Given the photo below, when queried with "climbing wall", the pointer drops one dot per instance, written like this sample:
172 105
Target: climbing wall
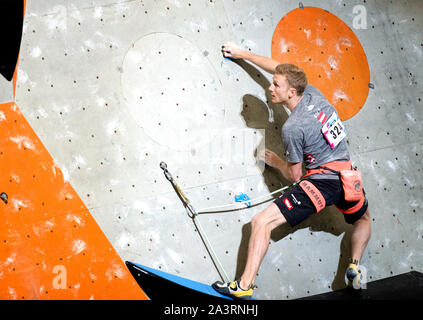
51 247
107 89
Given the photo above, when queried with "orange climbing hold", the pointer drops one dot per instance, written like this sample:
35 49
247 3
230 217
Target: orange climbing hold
329 52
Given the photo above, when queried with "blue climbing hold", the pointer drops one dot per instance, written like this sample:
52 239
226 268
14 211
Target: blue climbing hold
242 197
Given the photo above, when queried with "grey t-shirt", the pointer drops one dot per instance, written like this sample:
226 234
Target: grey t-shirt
303 138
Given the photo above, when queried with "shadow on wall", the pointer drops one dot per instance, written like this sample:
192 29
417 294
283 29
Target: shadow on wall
271 118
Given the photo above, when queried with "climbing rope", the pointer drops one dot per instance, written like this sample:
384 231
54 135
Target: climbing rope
240 203
193 214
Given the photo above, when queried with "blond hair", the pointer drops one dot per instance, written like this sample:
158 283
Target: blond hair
295 76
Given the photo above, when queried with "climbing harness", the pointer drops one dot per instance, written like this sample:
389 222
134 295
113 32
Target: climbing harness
352 183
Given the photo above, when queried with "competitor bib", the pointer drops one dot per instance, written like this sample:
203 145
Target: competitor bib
333 130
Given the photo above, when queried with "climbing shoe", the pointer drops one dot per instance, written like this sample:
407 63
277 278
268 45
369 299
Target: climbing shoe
233 290
353 275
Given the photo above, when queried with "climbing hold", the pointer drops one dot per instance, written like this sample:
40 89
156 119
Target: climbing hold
371 86
163 165
4 197
301 6
242 197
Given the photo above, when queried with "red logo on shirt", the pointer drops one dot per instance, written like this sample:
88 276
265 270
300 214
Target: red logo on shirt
309 158
287 203
322 118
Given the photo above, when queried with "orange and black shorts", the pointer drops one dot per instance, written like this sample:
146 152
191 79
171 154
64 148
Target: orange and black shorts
296 205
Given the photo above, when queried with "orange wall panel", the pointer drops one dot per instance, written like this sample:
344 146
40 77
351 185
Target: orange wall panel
48 237
329 53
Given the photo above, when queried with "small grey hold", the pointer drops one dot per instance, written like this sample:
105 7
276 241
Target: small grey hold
371 86
301 6
163 165
4 197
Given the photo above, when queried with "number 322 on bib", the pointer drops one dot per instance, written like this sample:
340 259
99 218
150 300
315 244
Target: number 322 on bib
334 131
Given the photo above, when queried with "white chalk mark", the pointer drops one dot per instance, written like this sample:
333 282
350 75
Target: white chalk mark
78 246
17 203
391 165
35 52
12 293
339 94
173 255
283 46
98 12
22 141
333 62
319 42
125 239
115 270
308 33
71 217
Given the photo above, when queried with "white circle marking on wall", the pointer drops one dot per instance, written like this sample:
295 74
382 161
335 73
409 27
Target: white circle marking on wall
172 91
